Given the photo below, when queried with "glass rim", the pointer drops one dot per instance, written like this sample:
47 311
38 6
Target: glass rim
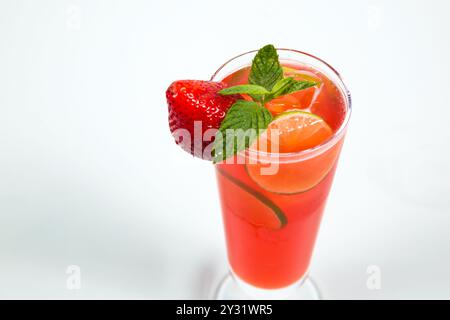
325 145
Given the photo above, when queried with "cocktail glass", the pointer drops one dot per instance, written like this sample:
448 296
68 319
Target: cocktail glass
271 219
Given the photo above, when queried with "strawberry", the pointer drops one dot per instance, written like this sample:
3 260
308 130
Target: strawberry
196 100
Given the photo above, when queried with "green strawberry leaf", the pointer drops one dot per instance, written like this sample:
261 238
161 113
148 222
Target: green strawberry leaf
266 69
287 86
250 89
243 123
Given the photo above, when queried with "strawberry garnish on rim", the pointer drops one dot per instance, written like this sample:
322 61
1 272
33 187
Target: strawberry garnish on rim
190 101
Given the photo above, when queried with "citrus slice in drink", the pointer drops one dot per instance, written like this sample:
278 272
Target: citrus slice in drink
251 205
294 131
302 99
291 132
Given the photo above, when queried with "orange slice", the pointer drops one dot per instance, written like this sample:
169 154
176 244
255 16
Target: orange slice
296 131
298 100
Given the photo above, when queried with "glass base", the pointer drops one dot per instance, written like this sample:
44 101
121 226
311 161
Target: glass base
232 288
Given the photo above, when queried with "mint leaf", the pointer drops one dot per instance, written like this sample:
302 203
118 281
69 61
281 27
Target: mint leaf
244 122
266 69
289 85
250 89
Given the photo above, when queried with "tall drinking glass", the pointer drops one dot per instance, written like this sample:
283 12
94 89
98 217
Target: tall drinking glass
272 203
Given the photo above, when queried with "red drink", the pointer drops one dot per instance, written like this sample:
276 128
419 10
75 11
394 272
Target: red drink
271 221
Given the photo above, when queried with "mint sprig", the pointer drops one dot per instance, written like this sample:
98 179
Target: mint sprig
266 69
250 89
245 120
260 94
288 86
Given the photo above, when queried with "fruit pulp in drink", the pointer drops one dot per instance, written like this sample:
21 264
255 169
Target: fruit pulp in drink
271 221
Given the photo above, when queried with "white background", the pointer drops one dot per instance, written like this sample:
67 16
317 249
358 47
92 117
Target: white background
90 176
